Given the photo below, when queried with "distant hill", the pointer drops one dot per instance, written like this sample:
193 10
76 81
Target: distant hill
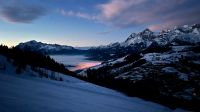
49 48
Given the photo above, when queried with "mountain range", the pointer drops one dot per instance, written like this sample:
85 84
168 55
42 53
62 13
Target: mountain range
137 42
163 66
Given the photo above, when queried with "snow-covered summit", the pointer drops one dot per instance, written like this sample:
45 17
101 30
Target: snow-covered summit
176 35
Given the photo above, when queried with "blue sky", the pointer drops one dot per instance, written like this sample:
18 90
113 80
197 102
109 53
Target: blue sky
89 22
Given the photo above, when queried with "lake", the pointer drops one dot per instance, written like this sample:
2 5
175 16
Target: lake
75 62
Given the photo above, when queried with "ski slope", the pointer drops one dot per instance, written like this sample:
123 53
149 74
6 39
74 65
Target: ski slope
32 94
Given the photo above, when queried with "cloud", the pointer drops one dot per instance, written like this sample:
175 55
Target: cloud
20 12
115 7
104 32
156 14
130 13
77 14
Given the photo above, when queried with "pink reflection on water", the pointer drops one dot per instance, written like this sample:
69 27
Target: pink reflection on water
84 65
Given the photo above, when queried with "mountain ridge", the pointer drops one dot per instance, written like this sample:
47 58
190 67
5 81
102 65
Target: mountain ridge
137 42
36 46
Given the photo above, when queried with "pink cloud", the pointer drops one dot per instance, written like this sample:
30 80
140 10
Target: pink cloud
115 7
162 26
77 14
157 14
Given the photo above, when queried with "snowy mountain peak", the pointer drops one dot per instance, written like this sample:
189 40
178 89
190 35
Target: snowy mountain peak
146 32
179 34
138 38
196 26
32 41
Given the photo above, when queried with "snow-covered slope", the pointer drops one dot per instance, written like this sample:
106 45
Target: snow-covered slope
24 93
172 76
46 48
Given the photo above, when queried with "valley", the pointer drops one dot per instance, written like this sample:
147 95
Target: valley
75 62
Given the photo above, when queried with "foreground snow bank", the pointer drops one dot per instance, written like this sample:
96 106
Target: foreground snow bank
71 95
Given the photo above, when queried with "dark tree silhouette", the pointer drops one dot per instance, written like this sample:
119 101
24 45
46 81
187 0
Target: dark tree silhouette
21 58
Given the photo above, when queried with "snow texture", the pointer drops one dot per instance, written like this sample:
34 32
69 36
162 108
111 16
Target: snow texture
21 93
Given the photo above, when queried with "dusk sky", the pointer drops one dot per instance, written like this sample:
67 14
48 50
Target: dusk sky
89 22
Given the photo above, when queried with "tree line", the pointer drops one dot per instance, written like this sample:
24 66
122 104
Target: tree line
22 58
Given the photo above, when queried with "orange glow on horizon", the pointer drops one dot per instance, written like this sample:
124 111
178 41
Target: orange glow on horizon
84 65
